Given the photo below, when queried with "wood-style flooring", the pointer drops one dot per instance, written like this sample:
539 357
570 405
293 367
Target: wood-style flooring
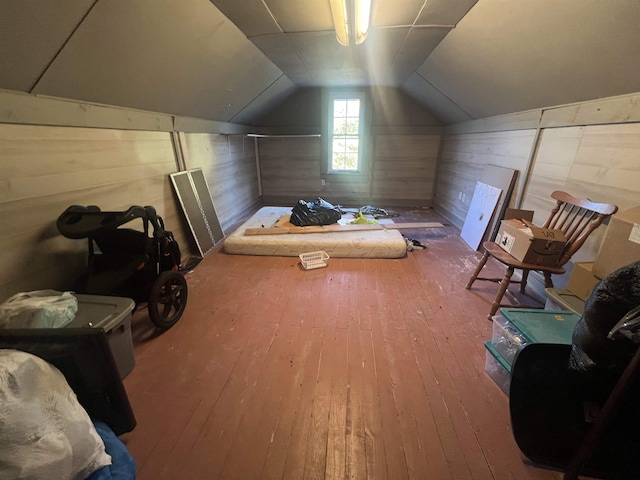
365 369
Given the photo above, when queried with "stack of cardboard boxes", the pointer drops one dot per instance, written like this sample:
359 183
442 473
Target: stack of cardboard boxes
620 247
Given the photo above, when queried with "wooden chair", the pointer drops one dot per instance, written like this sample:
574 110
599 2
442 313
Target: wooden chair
576 217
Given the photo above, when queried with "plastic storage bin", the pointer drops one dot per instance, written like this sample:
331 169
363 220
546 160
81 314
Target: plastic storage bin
313 260
563 299
543 326
113 315
497 368
506 339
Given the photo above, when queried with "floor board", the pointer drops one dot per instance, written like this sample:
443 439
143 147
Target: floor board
365 369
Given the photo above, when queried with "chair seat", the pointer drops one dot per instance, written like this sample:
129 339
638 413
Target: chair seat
500 254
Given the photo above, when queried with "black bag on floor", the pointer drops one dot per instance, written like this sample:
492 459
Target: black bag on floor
317 212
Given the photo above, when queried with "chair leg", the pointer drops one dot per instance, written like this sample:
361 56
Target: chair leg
480 266
523 282
504 284
548 281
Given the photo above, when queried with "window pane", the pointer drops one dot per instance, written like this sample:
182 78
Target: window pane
345 154
353 108
352 126
340 126
352 145
345 161
339 108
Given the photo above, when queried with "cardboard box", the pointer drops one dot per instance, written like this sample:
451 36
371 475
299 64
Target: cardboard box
582 280
518 214
621 243
531 244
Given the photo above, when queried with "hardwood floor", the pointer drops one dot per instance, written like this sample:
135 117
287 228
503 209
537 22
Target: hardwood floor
365 369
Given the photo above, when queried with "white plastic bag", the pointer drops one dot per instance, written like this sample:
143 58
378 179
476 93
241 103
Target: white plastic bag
44 431
38 309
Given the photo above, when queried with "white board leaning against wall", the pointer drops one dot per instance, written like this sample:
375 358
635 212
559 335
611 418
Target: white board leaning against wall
483 204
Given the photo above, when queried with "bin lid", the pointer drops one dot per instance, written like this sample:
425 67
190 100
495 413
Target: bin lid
566 298
100 311
543 326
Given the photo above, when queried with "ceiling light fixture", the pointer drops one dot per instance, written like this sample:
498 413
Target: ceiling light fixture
351 20
362 16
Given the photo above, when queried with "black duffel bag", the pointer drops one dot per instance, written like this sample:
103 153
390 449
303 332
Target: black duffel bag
317 212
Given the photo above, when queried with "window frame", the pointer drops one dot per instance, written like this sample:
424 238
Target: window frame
328 97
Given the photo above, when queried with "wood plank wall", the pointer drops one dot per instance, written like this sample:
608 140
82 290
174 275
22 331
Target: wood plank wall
44 169
599 162
290 169
597 159
229 165
462 160
402 172
404 168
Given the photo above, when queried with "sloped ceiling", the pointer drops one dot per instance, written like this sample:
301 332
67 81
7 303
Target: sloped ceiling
300 39
512 55
179 57
235 60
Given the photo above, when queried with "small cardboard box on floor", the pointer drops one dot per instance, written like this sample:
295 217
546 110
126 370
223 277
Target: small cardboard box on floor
582 280
621 243
529 243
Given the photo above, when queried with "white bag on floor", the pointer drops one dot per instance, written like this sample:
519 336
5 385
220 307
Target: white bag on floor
44 432
38 309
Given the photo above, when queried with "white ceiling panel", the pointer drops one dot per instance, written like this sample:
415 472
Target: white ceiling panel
272 96
418 45
446 12
380 51
386 14
31 33
508 56
301 15
328 62
180 57
281 50
250 16
440 106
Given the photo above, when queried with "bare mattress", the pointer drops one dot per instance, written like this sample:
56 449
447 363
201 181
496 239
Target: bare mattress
361 244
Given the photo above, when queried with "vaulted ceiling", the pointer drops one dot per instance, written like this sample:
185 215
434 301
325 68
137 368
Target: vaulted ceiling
235 60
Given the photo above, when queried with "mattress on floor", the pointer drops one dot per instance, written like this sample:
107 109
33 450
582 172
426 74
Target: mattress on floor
362 244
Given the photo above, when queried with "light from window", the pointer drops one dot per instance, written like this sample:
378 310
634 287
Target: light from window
345 143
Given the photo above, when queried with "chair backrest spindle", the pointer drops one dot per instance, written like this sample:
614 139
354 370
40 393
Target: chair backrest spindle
577 218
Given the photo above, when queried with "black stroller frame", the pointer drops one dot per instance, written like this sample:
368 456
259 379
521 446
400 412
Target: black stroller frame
130 263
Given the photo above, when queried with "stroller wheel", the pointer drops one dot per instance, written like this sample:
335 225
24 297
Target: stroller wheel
167 299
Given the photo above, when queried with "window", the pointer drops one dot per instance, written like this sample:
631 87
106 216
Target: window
345 126
345 138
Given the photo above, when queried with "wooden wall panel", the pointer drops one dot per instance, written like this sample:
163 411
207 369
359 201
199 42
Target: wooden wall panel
462 160
290 169
404 167
46 169
403 170
597 161
229 166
